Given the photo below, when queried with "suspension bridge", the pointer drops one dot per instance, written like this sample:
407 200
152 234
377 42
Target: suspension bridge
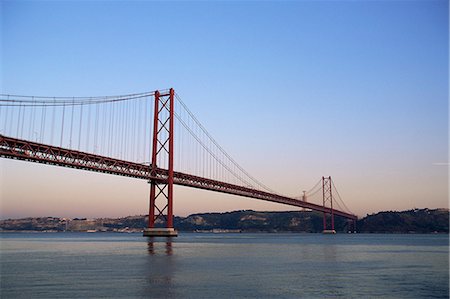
151 136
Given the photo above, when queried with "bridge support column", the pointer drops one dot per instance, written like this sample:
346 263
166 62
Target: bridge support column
351 226
161 186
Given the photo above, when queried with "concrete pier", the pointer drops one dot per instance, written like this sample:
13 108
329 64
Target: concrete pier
328 231
160 232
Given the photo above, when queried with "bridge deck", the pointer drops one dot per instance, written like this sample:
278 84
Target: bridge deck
13 148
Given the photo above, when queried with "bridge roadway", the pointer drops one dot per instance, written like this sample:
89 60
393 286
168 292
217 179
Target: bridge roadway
18 149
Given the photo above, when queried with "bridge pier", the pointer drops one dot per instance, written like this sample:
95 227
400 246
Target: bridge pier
328 232
160 232
325 230
351 226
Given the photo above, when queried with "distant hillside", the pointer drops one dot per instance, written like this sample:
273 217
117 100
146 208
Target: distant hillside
417 221
251 221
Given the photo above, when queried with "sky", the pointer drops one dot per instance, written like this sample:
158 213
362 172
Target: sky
293 90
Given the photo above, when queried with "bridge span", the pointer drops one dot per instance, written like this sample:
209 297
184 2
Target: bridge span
18 149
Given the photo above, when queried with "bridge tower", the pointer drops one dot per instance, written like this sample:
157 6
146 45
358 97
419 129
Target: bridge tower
161 185
305 199
327 196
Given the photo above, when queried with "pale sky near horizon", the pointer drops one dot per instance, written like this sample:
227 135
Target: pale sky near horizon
293 90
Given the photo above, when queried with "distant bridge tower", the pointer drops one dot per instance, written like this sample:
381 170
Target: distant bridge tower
327 196
162 150
305 199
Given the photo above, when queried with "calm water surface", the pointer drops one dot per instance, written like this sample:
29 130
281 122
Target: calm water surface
112 265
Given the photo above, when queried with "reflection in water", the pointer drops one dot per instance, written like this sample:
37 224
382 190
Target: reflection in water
159 271
169 249
154 247
151 247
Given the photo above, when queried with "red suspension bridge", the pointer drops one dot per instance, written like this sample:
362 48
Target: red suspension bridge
134 135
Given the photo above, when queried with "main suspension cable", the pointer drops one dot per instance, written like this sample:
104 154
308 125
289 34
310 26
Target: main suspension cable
220 148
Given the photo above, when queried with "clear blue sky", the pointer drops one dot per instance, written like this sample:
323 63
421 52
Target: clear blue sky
293 90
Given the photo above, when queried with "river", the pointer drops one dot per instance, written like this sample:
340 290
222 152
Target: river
207 265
